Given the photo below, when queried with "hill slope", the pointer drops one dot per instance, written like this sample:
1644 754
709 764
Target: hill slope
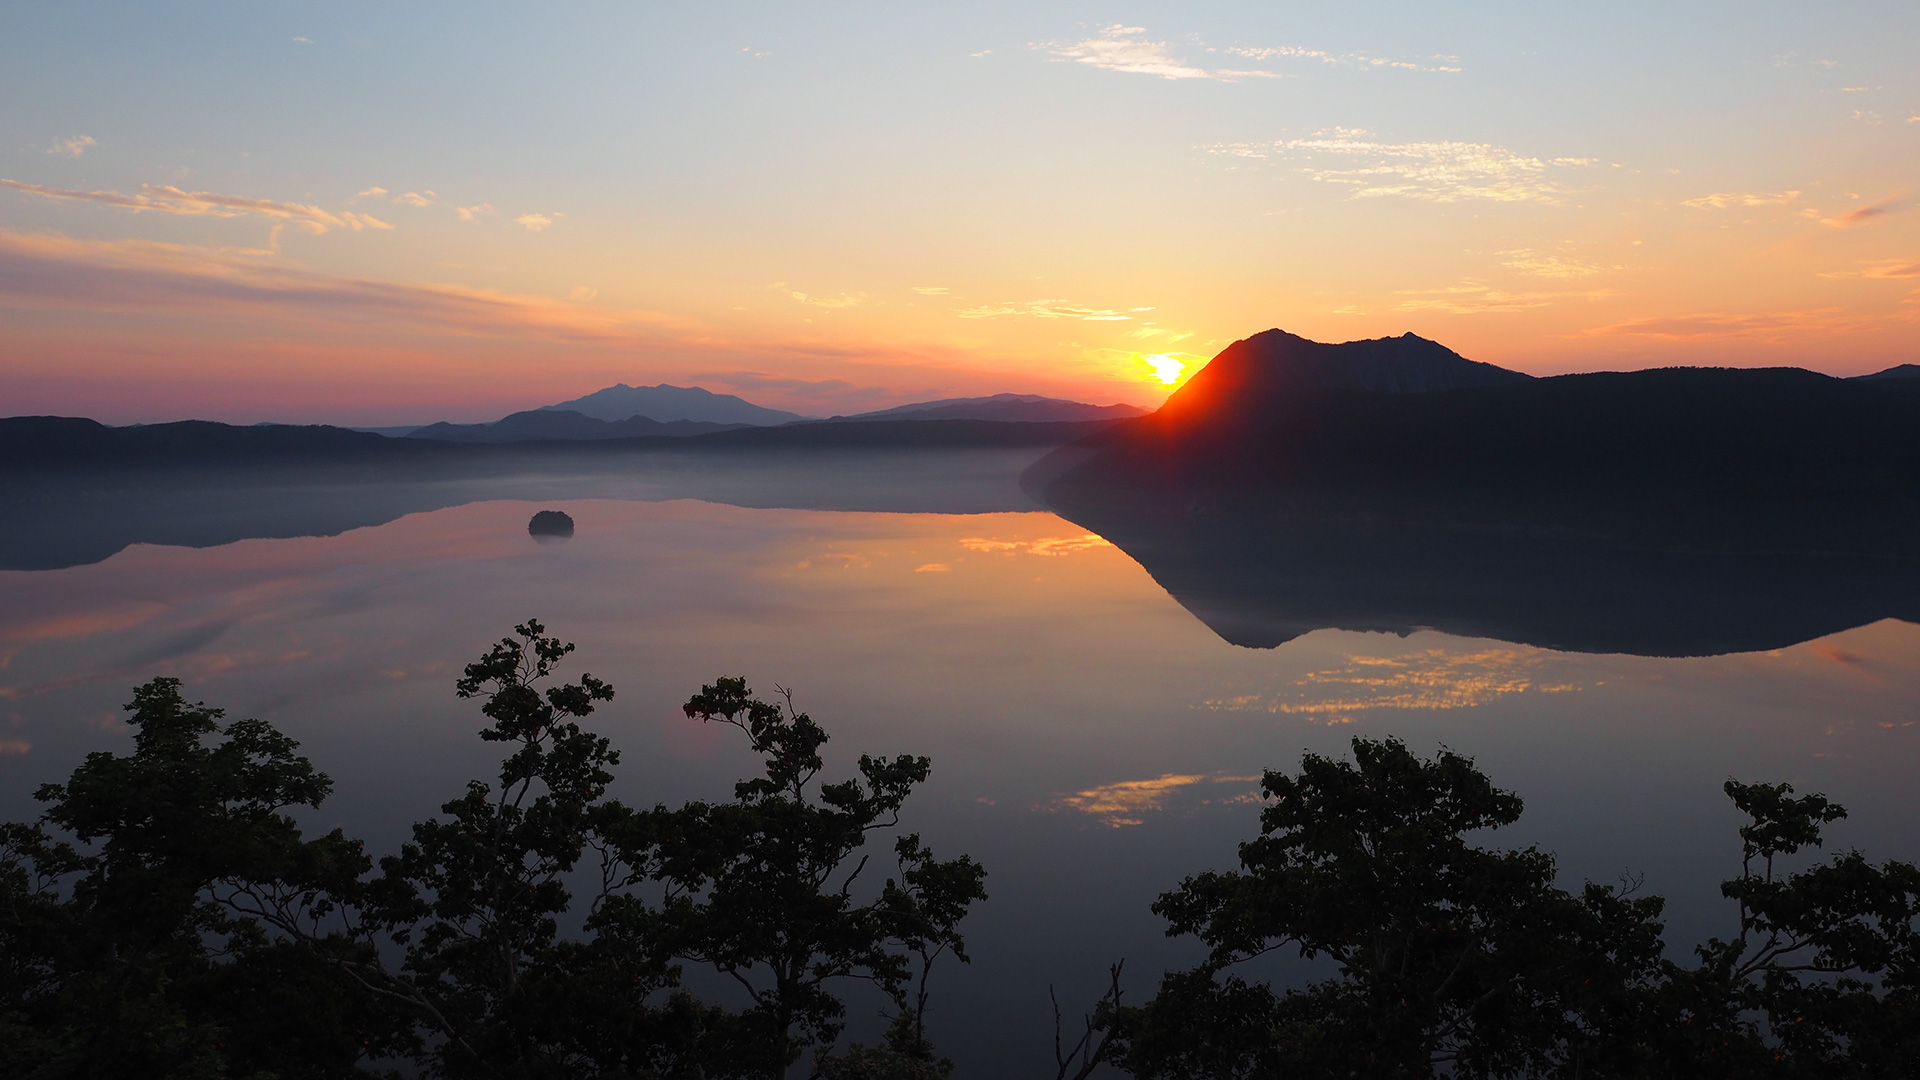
668 403
1020 408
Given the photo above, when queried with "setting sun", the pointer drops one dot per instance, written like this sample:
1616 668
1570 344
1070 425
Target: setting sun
1166 367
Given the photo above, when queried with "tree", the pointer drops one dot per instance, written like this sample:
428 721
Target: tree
1823 977
764 890
1450 957
186 928
477 898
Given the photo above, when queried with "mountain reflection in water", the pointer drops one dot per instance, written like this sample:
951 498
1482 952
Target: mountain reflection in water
1261 582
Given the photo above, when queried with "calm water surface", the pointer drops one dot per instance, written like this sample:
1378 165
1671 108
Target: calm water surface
1092 741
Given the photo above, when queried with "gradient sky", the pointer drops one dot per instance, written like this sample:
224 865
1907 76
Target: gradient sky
391 213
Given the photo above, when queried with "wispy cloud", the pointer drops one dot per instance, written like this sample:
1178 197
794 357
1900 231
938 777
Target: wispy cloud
930 290
1128 801
1294 52
1128 49
1125 48
474 213
1044 309
1884 270
1477 299
1434 171
73 147
368 193
415 198
167 199
1722 200
1864 214
532 222
1532 262
44 270
1771 326
844 300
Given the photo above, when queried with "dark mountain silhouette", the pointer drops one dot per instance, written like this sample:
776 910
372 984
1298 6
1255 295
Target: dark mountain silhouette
65 442
1276 360
1391 485
1005 407
562 424
1901 371
669 403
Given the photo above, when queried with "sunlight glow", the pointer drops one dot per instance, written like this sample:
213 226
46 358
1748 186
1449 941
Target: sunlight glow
1165 367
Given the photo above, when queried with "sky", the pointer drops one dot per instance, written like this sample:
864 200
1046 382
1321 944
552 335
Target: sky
398 213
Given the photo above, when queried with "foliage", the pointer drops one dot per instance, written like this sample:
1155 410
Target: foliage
182 930
763 888
167 918
1466 961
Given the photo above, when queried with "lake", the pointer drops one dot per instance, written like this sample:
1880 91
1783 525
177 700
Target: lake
1093 741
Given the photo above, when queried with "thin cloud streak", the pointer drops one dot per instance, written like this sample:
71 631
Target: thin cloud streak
1864 214
1443 171
1722 200
167 199
1044 309
1126 49
43 270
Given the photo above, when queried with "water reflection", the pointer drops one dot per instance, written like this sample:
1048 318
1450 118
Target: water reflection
1092 741
1263 581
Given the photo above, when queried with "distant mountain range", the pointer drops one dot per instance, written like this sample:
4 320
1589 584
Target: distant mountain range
625 412
669 403
1004 407
536 424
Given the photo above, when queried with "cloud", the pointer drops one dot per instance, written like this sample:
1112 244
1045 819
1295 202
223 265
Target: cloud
1294 52
41 271
1473 298
1721 200
1863 215
474 213
73 147
167 199
1770 326
369 193
533 222
414 198
930 290
1122 48
1884 270
1126 49
844 300
14 746
1434 171
1126 802
1551 266
1044 309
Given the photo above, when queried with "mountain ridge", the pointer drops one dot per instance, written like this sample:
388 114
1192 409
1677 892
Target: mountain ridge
666 403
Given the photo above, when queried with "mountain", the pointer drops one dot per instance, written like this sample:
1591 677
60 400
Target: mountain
536 424
1276 361
1004 407
1394 485
668 403
1902 371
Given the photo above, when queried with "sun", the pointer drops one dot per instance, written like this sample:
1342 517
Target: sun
1166 367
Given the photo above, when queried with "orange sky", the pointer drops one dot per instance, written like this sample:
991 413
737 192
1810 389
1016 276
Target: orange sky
861 207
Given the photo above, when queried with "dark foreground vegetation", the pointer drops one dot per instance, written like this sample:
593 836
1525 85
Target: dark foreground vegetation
167 917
